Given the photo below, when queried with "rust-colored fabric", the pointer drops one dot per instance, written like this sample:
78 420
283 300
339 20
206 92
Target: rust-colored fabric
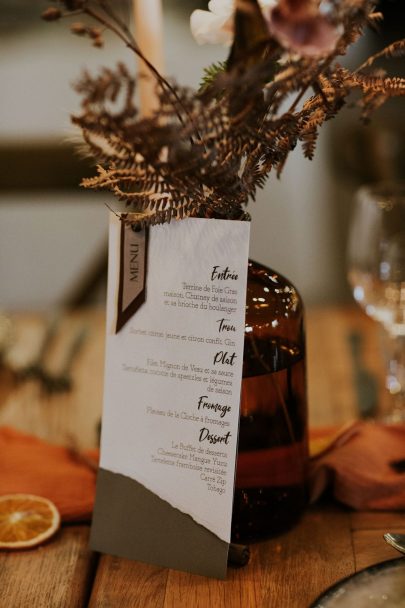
357 467
354 464
32 466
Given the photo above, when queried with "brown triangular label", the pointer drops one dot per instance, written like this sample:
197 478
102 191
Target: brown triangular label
132 272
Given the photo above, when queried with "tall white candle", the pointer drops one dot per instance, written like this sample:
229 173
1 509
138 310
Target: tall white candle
148 18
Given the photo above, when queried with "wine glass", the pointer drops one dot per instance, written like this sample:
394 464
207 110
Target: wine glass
376 272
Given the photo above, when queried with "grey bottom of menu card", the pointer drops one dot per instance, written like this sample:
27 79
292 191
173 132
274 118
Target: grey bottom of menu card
133 522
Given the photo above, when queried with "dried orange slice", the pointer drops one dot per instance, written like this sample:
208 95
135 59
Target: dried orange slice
26 520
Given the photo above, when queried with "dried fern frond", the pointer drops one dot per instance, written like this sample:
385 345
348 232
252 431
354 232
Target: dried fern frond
390 86
206 152
394 50
211 73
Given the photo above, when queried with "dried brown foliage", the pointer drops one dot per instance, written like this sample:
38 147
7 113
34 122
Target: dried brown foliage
208 151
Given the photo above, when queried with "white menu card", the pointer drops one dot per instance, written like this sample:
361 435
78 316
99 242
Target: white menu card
171 401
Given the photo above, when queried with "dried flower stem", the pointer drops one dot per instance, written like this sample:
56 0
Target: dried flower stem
207 153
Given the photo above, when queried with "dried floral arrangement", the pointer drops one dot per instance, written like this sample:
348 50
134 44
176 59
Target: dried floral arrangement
206 152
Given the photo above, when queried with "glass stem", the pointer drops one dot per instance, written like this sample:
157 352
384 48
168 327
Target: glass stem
395 379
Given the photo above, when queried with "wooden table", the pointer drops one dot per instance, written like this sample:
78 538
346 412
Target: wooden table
329 543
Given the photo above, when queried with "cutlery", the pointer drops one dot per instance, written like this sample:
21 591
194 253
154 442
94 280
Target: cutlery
36 369
62 381
396 540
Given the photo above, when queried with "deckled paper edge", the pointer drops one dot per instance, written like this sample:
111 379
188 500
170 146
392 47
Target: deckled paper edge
132 522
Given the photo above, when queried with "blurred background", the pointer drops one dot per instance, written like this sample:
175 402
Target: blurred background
53 235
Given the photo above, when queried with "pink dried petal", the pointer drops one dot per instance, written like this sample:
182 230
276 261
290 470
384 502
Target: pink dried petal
299 27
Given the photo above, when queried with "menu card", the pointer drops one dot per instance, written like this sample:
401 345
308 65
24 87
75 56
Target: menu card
171 400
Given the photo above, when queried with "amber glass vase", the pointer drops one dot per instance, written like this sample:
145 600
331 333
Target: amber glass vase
271 492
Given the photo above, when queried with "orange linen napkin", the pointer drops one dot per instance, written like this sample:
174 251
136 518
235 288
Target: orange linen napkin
356 466
31 466
353 462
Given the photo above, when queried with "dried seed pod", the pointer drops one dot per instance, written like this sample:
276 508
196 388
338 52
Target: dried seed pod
51 14
98 42
79 29
94 32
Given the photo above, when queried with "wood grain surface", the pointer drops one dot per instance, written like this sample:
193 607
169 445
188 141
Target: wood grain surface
290 571
54 575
